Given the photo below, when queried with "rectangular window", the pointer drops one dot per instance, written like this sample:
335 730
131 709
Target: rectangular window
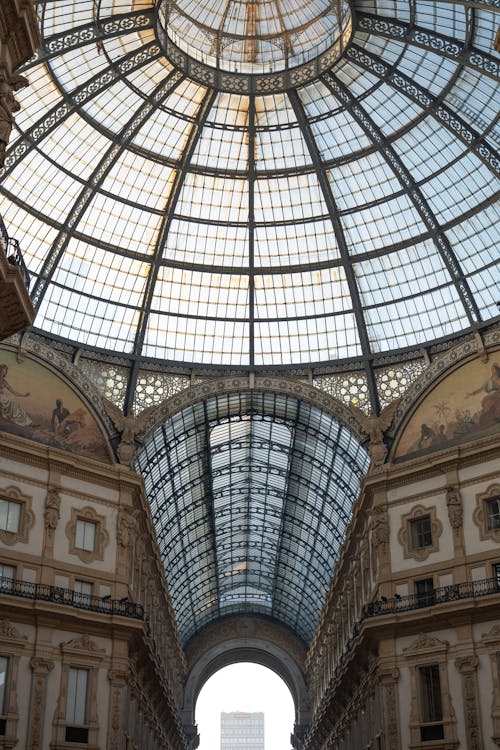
7 575
85 535
431 710
10 515
4 669
421 532
496 573
83 592
424 589
83 587
76 705
493 513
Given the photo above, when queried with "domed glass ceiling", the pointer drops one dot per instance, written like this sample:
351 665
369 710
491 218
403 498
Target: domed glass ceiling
254 36
331 211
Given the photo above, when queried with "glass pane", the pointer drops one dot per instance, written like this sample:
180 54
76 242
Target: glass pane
83 587
7 574
85 535
4 663
494 513
430 694
77 696
10 514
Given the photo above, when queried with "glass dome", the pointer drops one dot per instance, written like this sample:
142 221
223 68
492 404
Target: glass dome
255 36
335 211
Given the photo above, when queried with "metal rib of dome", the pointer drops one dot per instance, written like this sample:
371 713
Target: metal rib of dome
342 219
250 495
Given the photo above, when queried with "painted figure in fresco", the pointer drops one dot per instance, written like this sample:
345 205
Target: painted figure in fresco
10 410
427 437
72 422
490 405
59 414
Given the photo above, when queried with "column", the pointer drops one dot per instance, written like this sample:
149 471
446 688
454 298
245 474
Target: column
41 670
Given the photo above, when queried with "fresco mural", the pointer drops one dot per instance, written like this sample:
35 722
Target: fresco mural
465 405
36 404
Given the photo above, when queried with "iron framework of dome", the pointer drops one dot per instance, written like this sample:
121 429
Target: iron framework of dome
306 217
321 204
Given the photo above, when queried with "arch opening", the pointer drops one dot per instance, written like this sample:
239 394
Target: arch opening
245 688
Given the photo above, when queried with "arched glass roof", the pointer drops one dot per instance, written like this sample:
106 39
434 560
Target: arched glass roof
336 210
250 494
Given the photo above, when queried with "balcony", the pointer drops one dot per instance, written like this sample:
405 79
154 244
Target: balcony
452 593
16 310
57 595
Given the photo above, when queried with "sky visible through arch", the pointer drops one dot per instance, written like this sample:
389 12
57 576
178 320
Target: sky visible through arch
245 687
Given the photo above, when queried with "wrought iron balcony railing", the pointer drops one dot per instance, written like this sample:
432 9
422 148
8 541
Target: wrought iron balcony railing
58 595
440 595
13 253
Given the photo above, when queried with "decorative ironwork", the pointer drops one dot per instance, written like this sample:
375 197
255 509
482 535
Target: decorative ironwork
154 387
109 379
425 99
57 595
63 109
104 29
441 595
392 28
350 388
13 252
234 82
393 382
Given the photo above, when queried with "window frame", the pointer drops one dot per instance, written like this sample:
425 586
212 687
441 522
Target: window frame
405 533
26 516
481 515
421 532
101 538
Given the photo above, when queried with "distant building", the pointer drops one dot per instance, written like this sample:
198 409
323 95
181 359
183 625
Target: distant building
242 731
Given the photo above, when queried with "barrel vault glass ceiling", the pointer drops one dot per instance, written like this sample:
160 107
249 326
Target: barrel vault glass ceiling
250 494
315 183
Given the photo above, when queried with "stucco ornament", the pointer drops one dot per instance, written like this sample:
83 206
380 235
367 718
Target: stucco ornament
8 105
52 512
131 429
454 505
375 426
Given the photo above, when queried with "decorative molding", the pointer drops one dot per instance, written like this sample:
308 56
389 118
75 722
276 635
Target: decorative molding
41 669
127 526
26 516
480 515
467 666
101 535
492 637
52 511
425 644
83 645
41 665
375 426
9 634
300 390
455 509
404 533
